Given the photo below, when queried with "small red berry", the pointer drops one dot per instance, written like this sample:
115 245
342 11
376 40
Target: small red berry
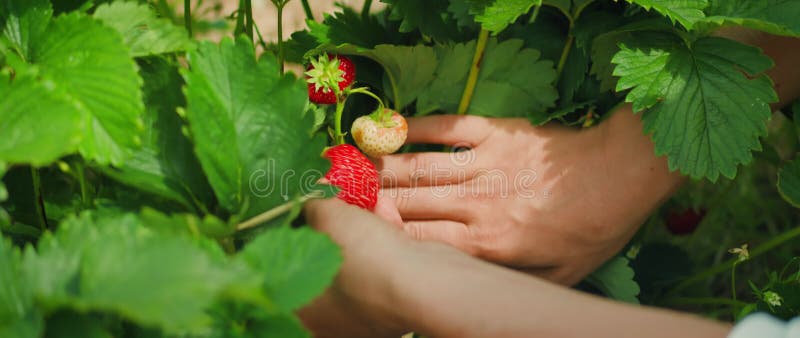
380 133
354 175
684 222
325 74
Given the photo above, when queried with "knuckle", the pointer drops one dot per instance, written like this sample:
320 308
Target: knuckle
414 230
403 199
419 168
494 245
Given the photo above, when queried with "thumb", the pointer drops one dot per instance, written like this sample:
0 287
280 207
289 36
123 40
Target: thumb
386 209
344 223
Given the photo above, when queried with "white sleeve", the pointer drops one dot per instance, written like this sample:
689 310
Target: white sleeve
762 325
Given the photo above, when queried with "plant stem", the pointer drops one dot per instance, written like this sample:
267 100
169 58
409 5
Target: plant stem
565 54
281 57
275 212
535 14
338 137
760 250
474 71
37 199
701 301
187 16
260 38
307 9
365 91
366 9
81 174
165 10
248 8
239 19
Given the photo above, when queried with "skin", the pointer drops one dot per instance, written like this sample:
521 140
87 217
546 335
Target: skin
591 189
390 284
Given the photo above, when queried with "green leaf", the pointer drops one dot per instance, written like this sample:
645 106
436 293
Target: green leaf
26 139
570 8
18 316
301 263
3 191
658 267
789 182
408 69
90 64
68 324
186 224
513 82
547 34
773 16
143 32
706 103
113 263
615 279
606 45
278 326
686 12
460 11
24 21
429 16
249 128
573 75
565 6
495 16
349 26
165 165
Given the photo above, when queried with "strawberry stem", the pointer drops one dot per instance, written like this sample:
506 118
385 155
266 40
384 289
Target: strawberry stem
276 211
338 137
365 91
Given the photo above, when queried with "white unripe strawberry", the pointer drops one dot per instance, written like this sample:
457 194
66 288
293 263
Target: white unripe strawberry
380 133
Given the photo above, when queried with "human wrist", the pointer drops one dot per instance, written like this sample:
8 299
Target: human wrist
631 162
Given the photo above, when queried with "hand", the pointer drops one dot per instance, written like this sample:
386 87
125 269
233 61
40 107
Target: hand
390 283
355 305
552 201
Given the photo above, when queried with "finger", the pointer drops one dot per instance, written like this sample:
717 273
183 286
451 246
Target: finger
426 169
460 130
322 213
452 233
386 209
343 222
429 203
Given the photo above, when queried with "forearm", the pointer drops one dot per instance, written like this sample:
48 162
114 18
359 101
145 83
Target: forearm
785 51
629 153
463 297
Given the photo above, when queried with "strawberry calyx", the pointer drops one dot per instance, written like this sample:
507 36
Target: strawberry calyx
325 74
383 117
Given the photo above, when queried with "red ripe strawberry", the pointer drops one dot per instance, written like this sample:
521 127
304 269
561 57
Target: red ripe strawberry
354 174
684 222
326 73
380 133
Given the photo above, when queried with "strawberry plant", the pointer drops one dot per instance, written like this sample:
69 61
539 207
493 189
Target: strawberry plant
152 181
